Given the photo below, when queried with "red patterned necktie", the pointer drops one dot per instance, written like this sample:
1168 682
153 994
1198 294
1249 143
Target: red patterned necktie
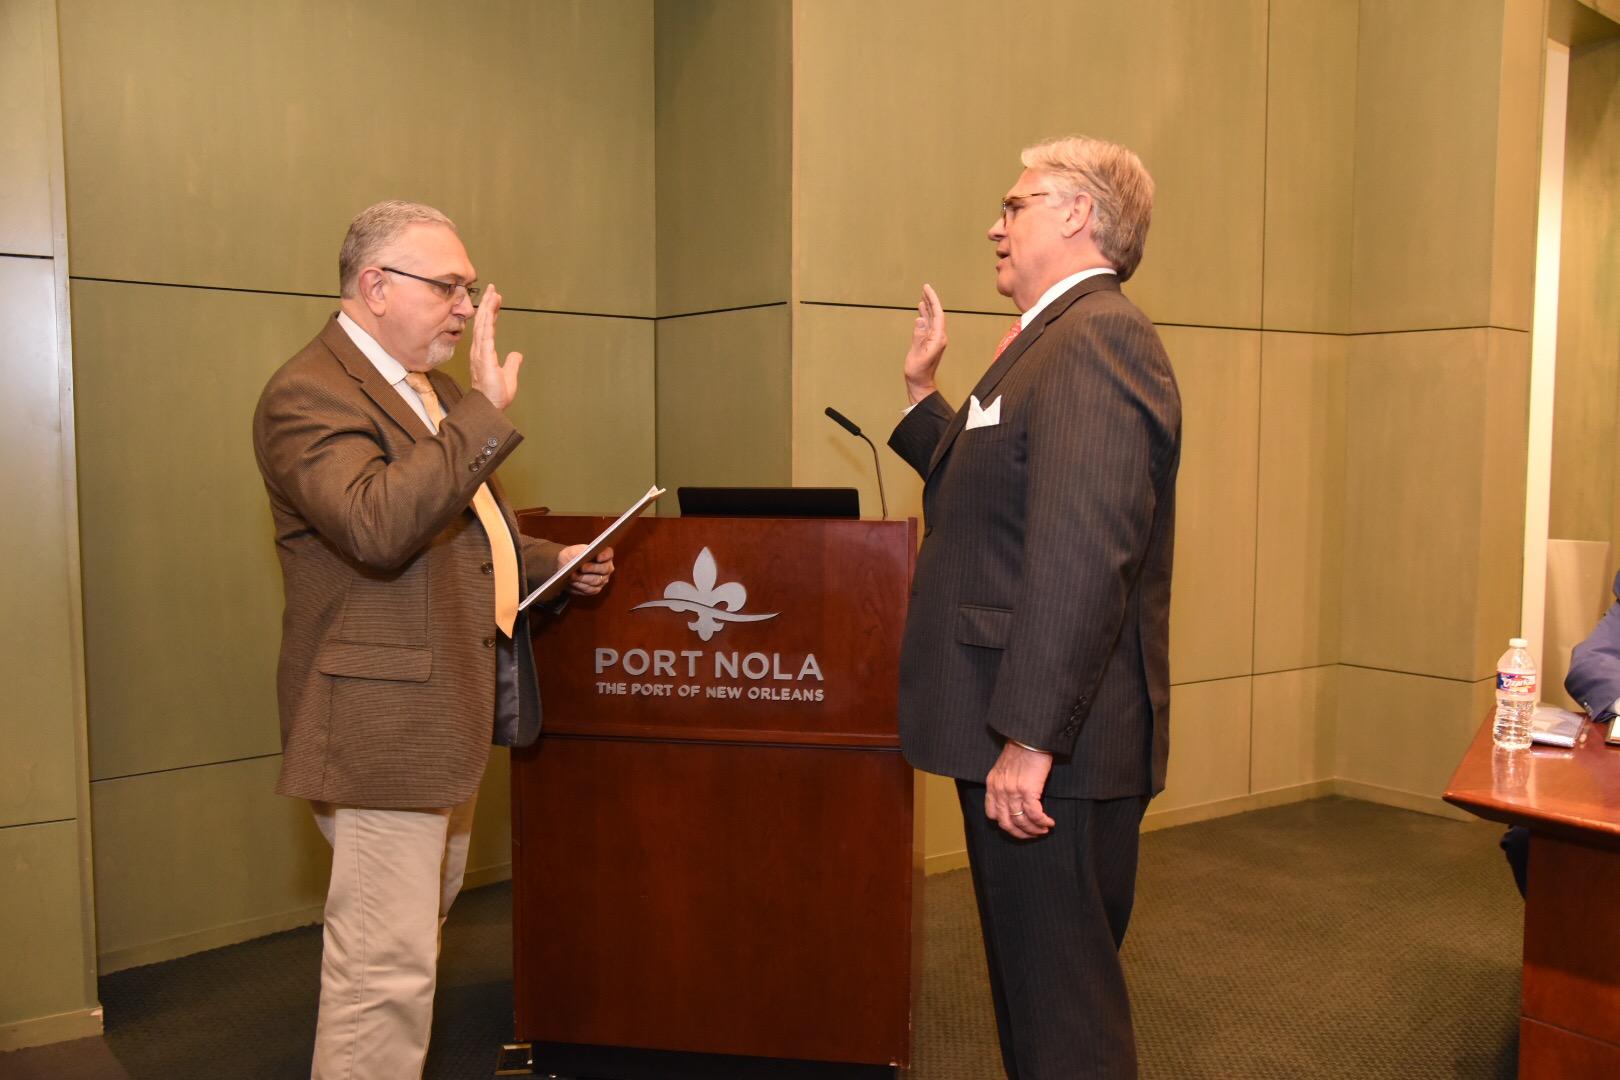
1012 332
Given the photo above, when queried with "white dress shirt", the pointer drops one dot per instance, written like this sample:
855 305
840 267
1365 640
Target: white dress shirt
387 367
1058 290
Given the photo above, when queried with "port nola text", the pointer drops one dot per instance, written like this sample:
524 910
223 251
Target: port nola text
690 663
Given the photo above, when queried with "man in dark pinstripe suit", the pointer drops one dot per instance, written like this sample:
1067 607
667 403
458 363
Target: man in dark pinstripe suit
1035 668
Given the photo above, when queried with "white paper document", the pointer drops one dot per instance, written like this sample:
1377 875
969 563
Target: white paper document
606 538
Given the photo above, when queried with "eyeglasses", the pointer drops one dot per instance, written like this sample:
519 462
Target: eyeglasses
452 291
1014 203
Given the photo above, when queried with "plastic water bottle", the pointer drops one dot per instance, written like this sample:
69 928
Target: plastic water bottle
1517 688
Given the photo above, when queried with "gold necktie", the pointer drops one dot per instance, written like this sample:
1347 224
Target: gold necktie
502 554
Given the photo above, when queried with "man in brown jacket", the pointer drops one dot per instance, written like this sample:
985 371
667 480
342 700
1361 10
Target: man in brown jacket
403 656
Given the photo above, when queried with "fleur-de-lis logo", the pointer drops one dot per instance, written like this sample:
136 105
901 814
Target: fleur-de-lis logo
713 604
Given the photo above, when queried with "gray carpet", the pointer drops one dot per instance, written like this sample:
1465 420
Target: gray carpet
1325 939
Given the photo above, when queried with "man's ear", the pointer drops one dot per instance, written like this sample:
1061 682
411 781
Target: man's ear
1077 215
373 292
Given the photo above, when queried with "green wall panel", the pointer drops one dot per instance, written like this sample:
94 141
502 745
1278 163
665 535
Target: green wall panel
192 853
182 589
1310 164
1299 542
1588 374
910 115
40 934
38 778
1212 595
724 389
229 143
197 858
1426 120
724 108
1432 554
25 127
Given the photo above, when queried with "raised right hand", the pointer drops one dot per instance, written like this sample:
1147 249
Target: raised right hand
928 343
488 375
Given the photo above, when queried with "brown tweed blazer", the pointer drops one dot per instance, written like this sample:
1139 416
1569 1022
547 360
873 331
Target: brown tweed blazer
387 681
1040 608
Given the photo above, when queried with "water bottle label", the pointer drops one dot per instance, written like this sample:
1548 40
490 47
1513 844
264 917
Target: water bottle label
1521 683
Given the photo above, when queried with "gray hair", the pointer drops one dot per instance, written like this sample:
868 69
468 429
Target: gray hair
373 229
1120 188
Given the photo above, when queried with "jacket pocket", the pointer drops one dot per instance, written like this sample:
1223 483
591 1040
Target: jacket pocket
388 609
986 627
397 663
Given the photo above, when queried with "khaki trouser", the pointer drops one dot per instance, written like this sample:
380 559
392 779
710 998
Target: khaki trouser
395 874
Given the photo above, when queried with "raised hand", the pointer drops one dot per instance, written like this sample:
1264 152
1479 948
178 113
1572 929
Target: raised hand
489 376
928 343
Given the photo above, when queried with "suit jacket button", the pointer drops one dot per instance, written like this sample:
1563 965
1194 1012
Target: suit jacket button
493 442
475 466
488 568
489 643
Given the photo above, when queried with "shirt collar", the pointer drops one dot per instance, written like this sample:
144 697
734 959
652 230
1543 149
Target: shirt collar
386 365
1058 290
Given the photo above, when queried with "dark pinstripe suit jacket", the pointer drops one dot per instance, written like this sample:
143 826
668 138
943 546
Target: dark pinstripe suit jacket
392 679
1041 603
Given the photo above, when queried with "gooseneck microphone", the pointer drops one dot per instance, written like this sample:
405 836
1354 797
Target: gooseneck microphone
849 425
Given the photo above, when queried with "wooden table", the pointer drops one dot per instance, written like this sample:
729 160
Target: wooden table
1569 1023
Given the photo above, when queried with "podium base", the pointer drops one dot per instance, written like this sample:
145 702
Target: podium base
567 1061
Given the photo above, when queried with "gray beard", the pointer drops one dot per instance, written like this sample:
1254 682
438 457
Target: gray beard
439 352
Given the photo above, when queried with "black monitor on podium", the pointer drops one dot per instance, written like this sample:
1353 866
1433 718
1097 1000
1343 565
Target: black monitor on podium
769 502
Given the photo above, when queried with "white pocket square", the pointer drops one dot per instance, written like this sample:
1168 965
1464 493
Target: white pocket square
979 416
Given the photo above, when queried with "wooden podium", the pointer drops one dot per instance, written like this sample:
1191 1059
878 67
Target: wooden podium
1569 1023
714 844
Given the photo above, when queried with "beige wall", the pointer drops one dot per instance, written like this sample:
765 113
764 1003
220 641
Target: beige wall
215 153
1445 191
1587 399
47 931
1246 120
1435 88
724 132
750 197
1340 268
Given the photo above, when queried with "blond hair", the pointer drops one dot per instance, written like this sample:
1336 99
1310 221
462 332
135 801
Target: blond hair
1120 188
373 229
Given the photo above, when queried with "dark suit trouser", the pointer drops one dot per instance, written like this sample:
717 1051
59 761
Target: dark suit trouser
1053 912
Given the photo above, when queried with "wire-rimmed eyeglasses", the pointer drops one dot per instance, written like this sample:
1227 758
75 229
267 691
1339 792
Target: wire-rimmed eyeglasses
1014 203
452 291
